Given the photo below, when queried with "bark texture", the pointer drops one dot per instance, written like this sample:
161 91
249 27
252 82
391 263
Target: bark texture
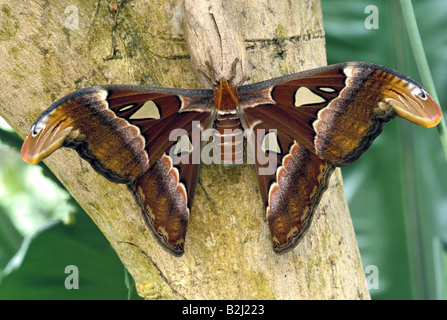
45 54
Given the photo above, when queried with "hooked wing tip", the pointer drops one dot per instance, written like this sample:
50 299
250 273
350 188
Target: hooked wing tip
427 114
37 147
28 153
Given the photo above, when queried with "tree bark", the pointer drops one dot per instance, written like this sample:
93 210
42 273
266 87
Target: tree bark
228 252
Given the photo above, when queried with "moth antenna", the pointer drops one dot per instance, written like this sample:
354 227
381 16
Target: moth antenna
212 73
233 69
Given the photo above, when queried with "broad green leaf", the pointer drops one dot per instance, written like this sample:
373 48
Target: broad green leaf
44 266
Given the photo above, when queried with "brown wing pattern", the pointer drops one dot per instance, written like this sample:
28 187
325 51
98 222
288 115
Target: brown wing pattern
123 131
325 117
291 185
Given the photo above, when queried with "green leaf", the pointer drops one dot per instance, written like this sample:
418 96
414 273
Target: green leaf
38 271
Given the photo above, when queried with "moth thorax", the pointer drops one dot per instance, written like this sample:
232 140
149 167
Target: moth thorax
228 137
225 96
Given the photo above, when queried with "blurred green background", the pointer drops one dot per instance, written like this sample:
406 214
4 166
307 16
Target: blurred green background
397 191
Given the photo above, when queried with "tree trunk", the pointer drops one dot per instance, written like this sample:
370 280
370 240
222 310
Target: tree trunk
45 55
